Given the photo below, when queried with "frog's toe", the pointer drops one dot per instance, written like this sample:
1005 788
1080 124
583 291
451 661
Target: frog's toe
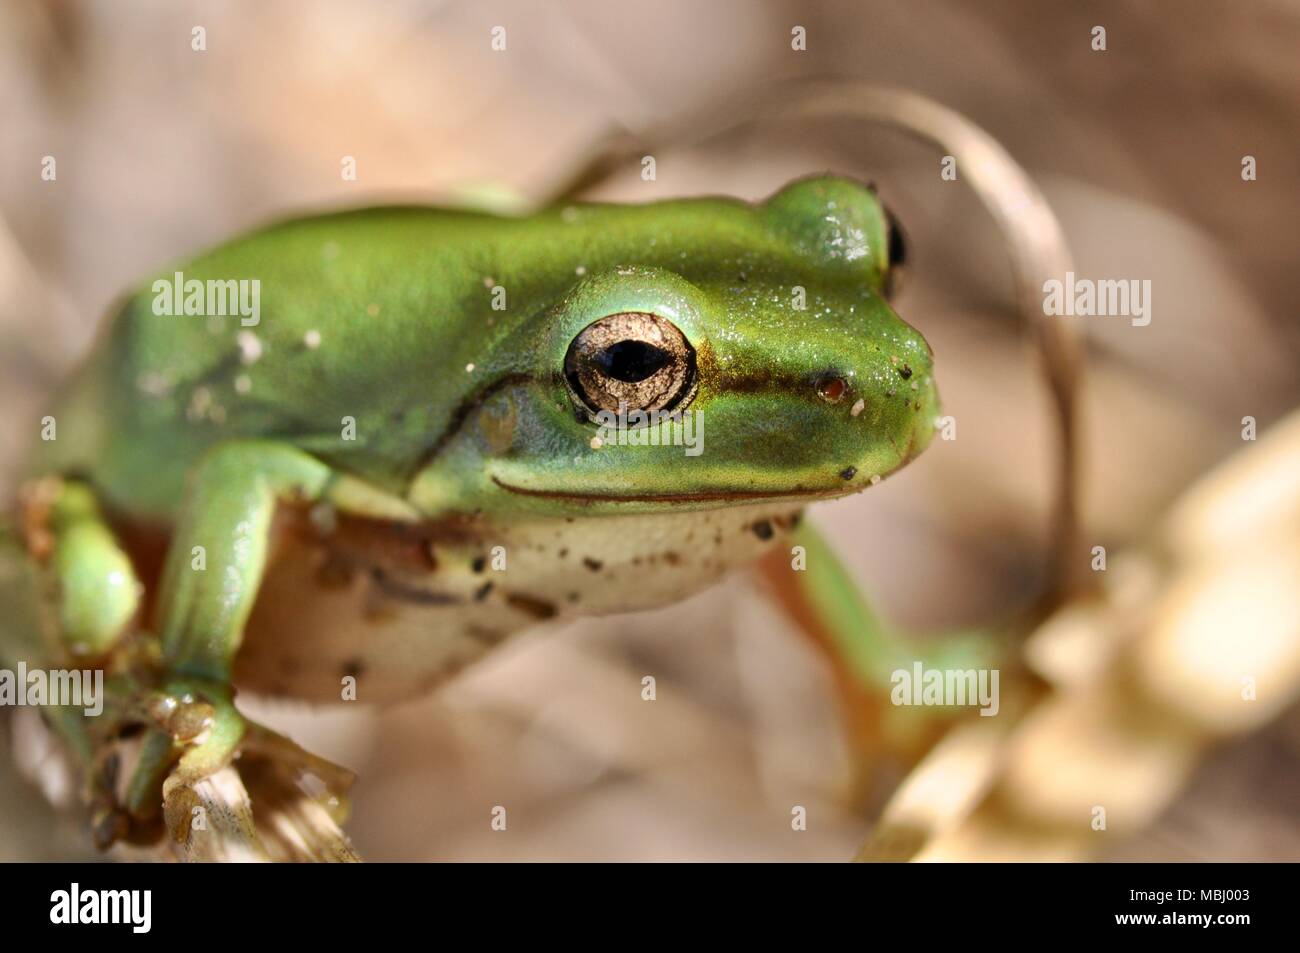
301 802
195 731
195 772
227 764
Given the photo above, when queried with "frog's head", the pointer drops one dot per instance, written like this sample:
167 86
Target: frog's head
765 330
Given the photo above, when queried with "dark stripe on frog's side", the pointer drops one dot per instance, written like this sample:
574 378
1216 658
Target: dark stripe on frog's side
485 636
357 545
408 592
531 605
456 422
381 546
729 381
389 552
401 591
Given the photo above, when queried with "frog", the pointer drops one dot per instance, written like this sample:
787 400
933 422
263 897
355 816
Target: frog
428 437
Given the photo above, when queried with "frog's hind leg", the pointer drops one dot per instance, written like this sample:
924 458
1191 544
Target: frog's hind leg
820 596
72 596
88 580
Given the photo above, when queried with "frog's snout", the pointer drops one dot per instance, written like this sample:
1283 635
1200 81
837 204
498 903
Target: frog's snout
885 406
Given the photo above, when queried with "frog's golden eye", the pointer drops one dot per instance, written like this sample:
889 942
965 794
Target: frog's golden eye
634 359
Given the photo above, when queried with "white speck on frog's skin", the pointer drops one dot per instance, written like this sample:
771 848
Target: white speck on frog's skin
311 339
469 368
489 281
250 347
200 403
580 270
243 384
858 407
153 384
324 518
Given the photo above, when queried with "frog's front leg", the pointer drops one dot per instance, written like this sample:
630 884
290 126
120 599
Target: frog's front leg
218 550
215 563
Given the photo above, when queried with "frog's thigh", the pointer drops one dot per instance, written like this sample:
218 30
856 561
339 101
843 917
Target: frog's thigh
68 589
21 636
821 597
88 580
219 549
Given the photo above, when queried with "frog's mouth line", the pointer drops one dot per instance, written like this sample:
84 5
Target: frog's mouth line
716 496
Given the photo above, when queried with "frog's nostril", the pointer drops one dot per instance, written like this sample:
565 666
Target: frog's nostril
831 388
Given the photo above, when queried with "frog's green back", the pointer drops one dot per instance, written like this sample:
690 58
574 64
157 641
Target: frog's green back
387 321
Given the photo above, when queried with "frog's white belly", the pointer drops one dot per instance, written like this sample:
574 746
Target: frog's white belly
400 631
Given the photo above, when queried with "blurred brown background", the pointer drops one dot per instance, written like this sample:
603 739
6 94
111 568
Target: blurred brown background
162 150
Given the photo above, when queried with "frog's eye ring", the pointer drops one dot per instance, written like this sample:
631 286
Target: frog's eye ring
631 361
896 270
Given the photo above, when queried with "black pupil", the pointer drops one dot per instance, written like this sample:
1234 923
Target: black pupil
632 361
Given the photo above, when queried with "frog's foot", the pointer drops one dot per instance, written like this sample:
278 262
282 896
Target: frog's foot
199 768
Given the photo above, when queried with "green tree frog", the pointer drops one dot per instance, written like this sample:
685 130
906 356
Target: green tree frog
396 459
